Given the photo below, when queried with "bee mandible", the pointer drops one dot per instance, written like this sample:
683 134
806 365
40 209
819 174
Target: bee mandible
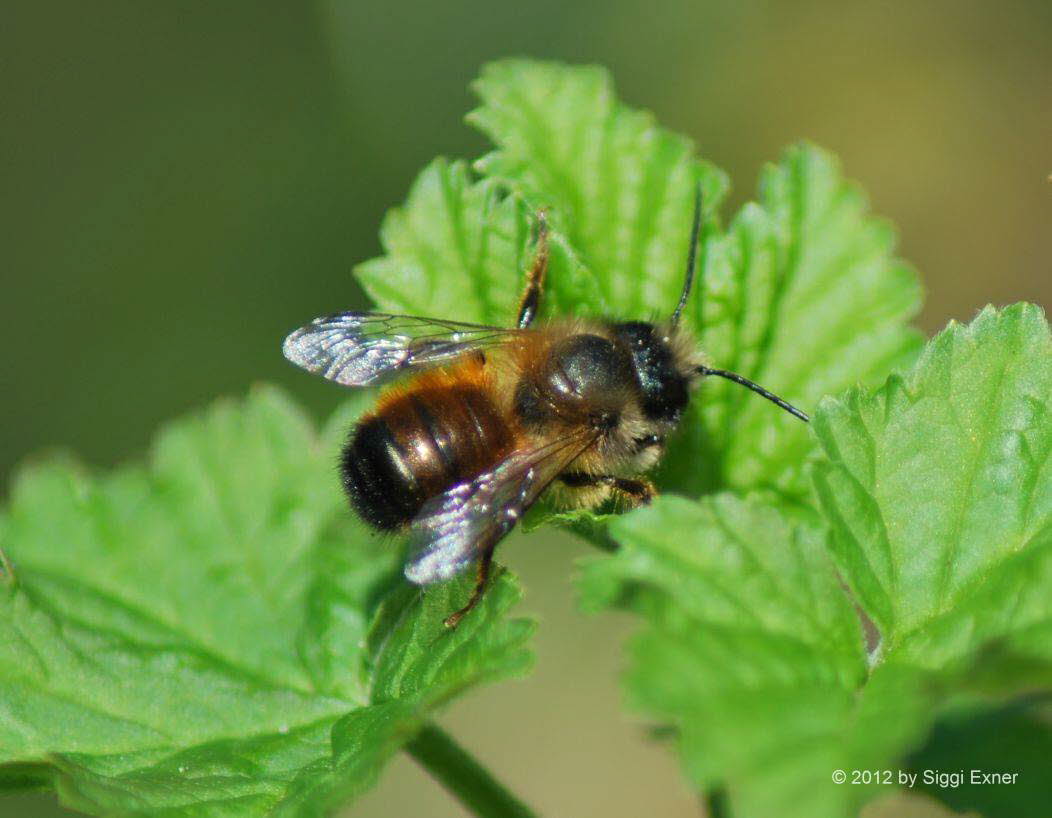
492 417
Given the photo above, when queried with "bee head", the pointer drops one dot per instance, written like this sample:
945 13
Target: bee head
665 361
664 367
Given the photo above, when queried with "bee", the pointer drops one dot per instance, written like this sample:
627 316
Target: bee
492 417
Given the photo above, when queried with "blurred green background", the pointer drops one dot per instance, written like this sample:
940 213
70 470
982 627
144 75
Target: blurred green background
185 182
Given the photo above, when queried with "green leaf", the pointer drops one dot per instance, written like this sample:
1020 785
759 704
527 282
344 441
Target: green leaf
458 249
193 636
1015 740
801 293
753 653
937 497
762 577
939 492
621 187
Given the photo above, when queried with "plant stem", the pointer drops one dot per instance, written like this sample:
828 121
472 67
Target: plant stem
435 751
716 804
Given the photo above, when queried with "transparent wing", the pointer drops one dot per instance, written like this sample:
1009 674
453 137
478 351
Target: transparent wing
363 348
453 529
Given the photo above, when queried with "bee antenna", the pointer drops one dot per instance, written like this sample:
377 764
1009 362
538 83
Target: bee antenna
759 390
692 255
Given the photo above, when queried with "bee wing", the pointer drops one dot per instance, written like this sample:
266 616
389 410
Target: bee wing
453 529
363 348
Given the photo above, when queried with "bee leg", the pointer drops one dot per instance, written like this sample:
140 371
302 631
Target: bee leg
635 492
531 299
482 579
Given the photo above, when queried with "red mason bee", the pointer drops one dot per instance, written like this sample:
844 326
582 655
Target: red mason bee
488 418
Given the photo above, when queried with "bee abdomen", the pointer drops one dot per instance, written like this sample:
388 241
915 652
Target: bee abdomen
418 445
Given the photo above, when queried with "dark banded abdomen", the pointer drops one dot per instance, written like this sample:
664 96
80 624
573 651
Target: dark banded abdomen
419 444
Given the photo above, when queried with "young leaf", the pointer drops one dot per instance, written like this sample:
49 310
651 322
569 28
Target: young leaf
939 490
459 249
191 636
801 293
753 652
621 187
